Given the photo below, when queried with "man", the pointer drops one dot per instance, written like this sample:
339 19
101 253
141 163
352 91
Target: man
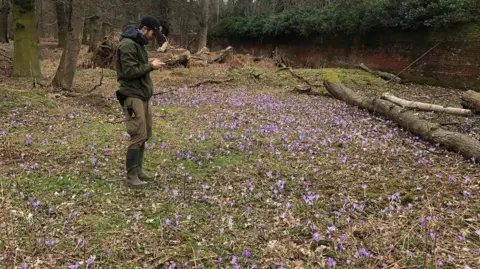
135 91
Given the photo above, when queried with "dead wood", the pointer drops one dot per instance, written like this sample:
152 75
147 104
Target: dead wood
425 106
471 99
431 132
209 81
382 75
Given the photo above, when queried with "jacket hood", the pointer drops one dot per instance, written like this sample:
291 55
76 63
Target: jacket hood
133 33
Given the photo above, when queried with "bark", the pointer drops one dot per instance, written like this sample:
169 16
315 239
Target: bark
68 63
86 30
471 99
62 21
203 32
95 25
11 28
26 56
4 10
431 132
40 29
382 75
426 106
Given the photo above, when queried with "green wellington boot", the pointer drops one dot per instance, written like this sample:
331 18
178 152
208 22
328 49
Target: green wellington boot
141 174
133 181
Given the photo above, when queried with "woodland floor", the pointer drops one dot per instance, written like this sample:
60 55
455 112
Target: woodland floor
249 174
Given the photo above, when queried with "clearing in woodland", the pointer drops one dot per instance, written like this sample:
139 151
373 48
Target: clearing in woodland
248 174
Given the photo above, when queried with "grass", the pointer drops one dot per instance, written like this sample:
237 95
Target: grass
247 165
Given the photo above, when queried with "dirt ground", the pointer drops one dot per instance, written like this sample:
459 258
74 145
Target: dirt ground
249 174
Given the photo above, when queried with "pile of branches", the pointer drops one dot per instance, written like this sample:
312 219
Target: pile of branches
105 56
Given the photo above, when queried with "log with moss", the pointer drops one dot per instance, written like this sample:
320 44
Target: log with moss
431 132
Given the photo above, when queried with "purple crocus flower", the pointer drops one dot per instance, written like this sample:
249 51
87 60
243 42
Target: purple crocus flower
331 262
74 266
246 254
316 237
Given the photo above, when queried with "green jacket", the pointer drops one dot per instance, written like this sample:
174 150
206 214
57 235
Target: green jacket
133 68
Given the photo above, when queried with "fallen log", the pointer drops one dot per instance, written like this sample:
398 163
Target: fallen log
471 99
426 107
380 74
431 132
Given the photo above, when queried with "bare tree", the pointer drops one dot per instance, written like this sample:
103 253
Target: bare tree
26 58
95 23
68 63
203 32
4 10
62 21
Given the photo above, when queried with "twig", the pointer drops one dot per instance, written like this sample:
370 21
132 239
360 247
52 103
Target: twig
161 93
209 81
434 96
297 76
416 60
9 59
99 83
449 123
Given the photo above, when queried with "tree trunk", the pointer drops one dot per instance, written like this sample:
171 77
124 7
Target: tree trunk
426 106
4 10
432 132
203 32
39 9
471 99
86 30
95 25
62 21
26 57
68 63
10 24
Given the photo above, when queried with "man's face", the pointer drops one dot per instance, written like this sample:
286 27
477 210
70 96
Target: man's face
150 35
147 33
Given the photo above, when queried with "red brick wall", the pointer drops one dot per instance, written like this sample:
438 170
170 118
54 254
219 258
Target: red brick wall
454 63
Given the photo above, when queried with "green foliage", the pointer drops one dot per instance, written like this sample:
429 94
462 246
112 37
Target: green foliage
349 17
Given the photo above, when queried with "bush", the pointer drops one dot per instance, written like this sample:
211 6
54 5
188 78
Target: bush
350 17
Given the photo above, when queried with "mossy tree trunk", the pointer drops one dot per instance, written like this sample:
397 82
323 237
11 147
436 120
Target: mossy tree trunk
4 10
26 57
62 21
68 63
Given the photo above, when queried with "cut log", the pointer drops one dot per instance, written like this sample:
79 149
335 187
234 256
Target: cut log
471 99
426 106
382 75
431 132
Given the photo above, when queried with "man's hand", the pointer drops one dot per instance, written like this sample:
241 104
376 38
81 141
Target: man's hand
157 64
